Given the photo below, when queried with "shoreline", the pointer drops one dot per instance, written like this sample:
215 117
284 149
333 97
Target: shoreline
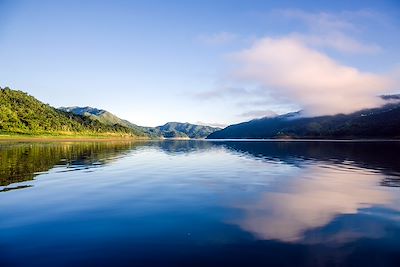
63 138
82 138
305 140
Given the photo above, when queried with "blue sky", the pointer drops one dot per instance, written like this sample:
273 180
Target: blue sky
213 62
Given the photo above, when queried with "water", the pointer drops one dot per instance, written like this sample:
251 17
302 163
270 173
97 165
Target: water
200 203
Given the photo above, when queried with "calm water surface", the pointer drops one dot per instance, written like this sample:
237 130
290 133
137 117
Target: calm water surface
200 203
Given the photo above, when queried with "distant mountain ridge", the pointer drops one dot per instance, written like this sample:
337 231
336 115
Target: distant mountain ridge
178 129
83 111
168 130
382 122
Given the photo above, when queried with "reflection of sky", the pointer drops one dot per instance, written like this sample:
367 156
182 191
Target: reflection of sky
266 198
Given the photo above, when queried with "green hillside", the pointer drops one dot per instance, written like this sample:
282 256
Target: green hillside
168 130
105 117
21 113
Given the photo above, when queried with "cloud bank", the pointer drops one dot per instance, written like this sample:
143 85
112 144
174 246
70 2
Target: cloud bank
298 69
258 114
292 71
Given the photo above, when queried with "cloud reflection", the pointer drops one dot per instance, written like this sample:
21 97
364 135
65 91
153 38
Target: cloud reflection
313 200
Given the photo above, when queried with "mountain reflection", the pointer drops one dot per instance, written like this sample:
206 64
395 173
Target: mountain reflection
23 161
173 147
328 179
379 156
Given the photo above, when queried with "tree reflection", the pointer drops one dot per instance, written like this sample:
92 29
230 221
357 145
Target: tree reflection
23 161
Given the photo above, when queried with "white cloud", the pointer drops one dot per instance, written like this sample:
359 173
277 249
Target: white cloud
220 38
328 21
296 70
340 42
212 124
223 92
336 31
258 114
290 70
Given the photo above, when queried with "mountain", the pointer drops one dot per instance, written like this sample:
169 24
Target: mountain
21 113
168 130
391 97
104 117
178 129
383 122
101 115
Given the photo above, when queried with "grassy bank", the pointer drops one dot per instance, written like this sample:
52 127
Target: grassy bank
68 137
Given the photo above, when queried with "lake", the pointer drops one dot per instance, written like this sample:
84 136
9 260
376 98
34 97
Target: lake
200 203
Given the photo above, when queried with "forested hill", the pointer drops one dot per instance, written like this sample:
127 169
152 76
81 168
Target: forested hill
185 130
21 113
105 117
168 130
